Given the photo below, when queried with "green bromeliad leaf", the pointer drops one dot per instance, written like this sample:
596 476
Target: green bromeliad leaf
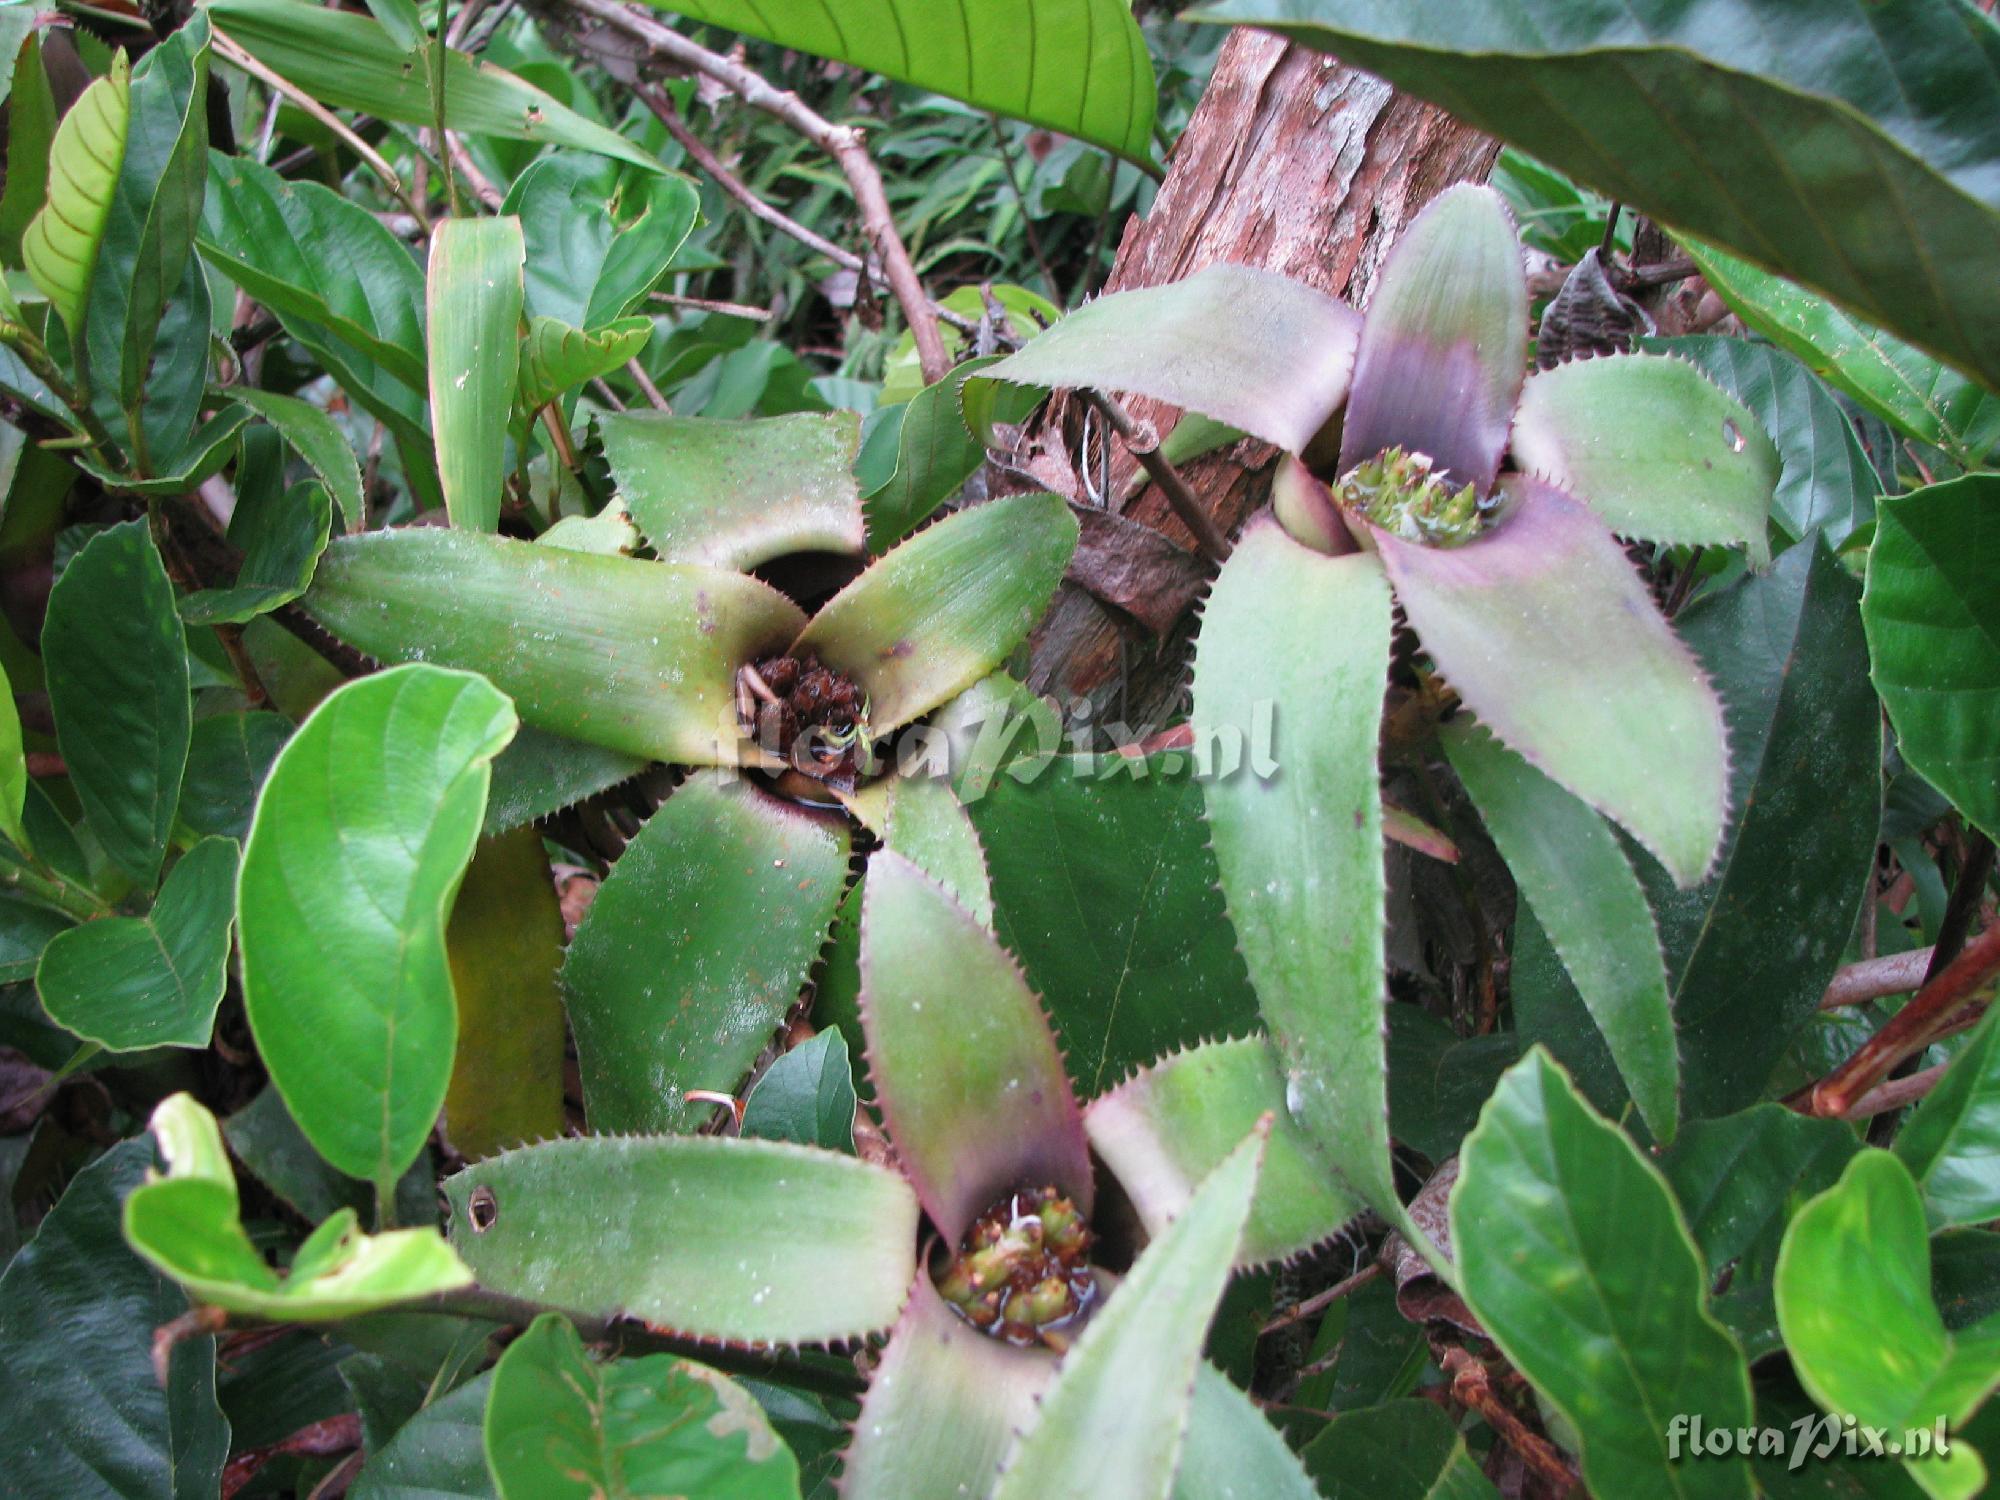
60 246
635 656
1080 67
1572 1252
944 609
696 946
1112 1422
1232 1449
556 358
1248 347
922 820
1653 447
564 1425
473 304
751 1241
1932 611
1854 1301
353 859
1163 1131
1300 846
1548 634
189 1225
736 494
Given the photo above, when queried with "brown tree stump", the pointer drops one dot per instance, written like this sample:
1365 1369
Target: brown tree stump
1293 161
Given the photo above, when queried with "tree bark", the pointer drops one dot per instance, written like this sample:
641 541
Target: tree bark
1293 161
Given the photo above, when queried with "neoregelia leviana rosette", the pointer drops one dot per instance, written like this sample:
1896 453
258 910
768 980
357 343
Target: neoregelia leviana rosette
1488 503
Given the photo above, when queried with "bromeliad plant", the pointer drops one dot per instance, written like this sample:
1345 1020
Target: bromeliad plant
1426 468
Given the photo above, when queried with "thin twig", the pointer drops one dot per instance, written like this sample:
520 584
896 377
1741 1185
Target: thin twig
645 383
1967 894
1896 1093
1875 978
1144 445
709 304
1021 202
440 49
464 166
1323 1299
844 145
1472 1385
606 394
236 54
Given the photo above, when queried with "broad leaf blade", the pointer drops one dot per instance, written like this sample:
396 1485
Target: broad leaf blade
317 440
1572 872
1300 848
935 454
555 357
127 983
61 243
1232 1449
591 258
1615 708
750 1241
806 1096
353 859
1248 347
1439 367
1952 1143
1572 1253
281 534
1653 447
118 681
1932 611
439 1454
1400 1450
1162 1132
473 300
1112 1422
561 1425
736 494
944 609
970 1082
695 947
1892 103
1080 66
634 656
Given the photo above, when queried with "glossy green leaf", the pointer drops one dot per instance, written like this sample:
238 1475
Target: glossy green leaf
473 302
1570 869
352 862
13 768
1932 611
1653 447
317 440
945 1403
1400 1450
562 1425
1245 346
1300 847
1163 1131
1439 367
1892 103
1616 711
189 1225
1105 887
228 757
945 608
949 1066
743 1240
85 1414
922 820
599 234
735 494
696 946
1438 1080
265 1138
540 773
349 61
505 942
26 929
556 358
1231 1448
1902 385
1572 1253
1826 479
1854 1301
807 1096
1739 1179
128 983
1952 1143
60 245
1112 1422
439 1454
205 450
281 534
635 656
935 454
118 682
31 129
1079 67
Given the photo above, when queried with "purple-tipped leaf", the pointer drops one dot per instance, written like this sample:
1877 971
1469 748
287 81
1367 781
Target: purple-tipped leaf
1248 347
1550 637
1653 446
971 1083
945 1402
1445 343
